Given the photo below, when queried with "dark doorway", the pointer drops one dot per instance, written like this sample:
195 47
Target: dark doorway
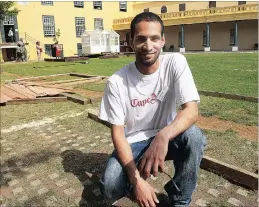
6 31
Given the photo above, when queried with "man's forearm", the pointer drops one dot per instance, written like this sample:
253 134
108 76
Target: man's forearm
124 154
184 119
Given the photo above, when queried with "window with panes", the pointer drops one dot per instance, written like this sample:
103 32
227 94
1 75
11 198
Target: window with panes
80 26
181 7
47 48
48 25
97 5
8 20
212 4
79 49
123 6
98 23
79 4
163 9
47 3
241 2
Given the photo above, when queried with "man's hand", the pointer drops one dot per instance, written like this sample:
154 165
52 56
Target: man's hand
145 194
154 156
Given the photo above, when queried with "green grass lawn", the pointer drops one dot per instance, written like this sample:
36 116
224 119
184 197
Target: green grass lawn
223 72
241 112
226 72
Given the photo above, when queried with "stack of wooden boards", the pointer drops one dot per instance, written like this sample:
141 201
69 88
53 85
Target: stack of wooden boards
31 90
14 91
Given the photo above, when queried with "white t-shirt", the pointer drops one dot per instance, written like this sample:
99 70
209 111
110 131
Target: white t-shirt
146 104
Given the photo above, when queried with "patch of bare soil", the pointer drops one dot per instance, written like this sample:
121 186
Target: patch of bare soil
213 123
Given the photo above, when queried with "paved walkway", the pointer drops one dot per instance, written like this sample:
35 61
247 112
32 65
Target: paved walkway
59 164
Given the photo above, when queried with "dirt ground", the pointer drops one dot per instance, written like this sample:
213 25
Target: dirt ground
212 123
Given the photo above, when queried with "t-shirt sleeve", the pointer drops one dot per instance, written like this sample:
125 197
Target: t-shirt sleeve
185 88
111 109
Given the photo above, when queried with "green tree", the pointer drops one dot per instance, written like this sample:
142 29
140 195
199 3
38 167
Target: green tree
7 8
57 35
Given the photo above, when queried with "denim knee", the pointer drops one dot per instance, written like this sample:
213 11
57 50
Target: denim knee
195 139
112 184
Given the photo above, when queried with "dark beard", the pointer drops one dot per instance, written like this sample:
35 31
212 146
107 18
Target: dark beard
146 62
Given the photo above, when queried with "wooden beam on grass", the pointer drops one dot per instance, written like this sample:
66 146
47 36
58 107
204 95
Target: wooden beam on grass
87 76
36 100
95 117
230 172
39 77
229 96
75 99
54 82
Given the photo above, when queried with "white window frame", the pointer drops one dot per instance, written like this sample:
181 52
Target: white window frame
48 22
47 3
8 20
79 4
80 26
123 6
98 26
98 5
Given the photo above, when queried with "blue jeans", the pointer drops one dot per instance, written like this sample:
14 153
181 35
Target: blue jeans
186 151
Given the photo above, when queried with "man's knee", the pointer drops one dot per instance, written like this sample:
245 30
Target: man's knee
195 138
112 184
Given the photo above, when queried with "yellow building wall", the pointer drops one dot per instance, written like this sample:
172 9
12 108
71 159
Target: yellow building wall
171 37
30 21
194 36
219 36
246 28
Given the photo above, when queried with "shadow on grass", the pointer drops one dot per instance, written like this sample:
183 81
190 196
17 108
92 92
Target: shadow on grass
13 165
88 169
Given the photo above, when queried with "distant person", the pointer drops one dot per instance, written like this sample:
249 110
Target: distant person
10 34
58 51
39 50
20 50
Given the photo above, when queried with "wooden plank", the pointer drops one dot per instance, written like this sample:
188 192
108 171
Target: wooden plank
23 89
11 93
75 99
39 77
54 82
37 91
92 80
229 96
235 174
19 90
51 91
5 97
95 100
37 100
95 117
86 75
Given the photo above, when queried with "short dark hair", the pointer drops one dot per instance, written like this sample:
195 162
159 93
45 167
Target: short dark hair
148 17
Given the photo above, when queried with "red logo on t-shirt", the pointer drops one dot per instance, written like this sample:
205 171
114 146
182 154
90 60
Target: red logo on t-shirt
136 102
